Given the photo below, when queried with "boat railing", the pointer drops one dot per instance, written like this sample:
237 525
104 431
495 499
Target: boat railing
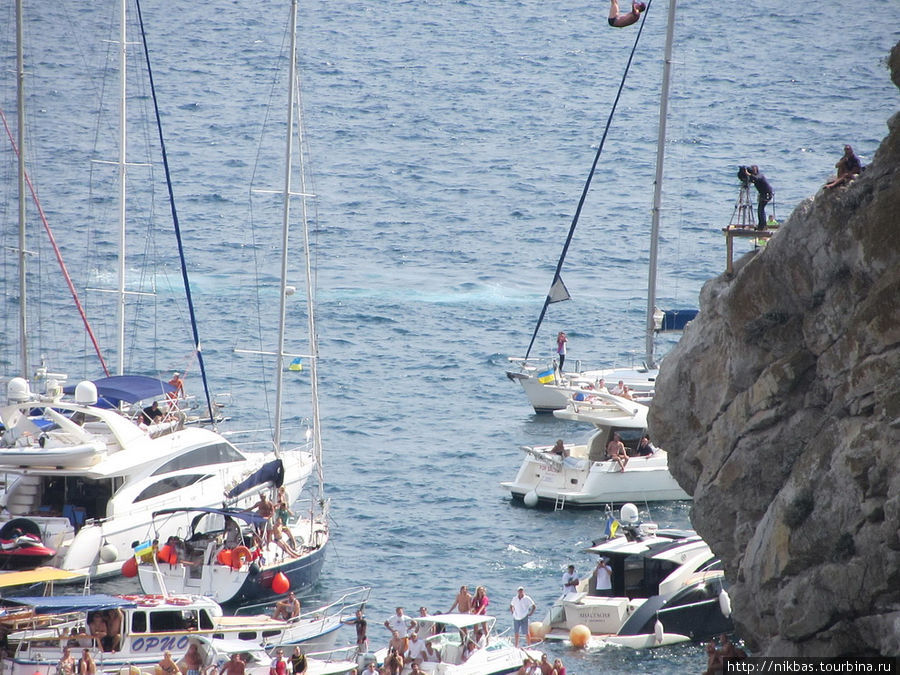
345 606
348 653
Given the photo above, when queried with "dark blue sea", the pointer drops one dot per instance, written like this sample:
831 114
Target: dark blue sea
448 144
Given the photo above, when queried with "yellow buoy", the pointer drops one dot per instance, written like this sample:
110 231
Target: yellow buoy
579 635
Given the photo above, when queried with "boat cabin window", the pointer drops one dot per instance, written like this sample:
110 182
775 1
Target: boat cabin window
218 453
166 621
639 577
77 497
630 437
170 484
700 594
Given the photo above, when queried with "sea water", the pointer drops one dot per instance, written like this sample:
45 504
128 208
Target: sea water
449 142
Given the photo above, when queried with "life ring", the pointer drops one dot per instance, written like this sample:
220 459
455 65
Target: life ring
240 555
149 602
179 601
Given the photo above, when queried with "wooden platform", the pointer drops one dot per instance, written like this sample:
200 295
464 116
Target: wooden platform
733 231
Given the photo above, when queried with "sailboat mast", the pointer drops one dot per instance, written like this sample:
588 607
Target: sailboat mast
285 227
20 111
657 185
120 310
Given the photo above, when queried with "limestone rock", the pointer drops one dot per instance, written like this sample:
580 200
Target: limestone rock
780 409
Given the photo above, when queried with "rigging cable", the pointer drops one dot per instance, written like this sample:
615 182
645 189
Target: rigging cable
62 264
184 274
557 280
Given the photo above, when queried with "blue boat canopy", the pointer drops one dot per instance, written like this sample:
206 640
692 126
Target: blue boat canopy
126 388
248 517
271 472
677 319
54 604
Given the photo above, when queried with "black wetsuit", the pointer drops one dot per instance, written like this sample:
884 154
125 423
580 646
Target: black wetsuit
765 196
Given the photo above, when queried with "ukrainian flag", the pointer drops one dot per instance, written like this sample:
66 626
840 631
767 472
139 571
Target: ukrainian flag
611 526
144 551
546 376
296 364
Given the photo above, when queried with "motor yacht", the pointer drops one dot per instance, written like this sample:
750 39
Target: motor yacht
88 478
583 476
667 587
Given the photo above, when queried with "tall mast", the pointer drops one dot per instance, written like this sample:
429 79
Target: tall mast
20 112
657 185
120 311
285 228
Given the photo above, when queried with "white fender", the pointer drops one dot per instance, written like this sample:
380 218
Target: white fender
530 498
84 548
725 603
658 632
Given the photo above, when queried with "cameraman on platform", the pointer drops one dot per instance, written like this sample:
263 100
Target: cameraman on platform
764 190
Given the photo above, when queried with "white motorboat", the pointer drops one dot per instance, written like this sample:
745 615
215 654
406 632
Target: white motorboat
495 654
667 587
150 626
92 509
542 381
584 476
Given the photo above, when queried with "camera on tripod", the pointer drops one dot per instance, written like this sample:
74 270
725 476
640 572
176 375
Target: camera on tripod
743 175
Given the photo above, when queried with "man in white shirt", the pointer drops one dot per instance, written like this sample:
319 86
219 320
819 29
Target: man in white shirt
604 578
399 622
432 654
570 580
522 607
416 650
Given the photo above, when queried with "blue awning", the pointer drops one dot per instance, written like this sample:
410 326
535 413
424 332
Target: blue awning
677 319
127 388
247 516
53 604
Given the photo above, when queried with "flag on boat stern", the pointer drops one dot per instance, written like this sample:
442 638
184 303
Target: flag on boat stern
144 551
296 364
611 526
547 376
558 291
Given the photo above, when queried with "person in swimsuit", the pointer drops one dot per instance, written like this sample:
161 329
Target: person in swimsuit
167 665
617 20
192 661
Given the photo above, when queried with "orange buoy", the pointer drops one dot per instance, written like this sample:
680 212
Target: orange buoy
129 567
579 635
536 631
224 557
280 583
239 556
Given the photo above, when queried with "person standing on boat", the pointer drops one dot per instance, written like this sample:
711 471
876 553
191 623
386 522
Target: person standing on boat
765 195
522 607
561 341
463 601
298 662
603 572
266 509
570 580
279 663
178 383
362 640
193 662
233 666
167 664
617 20
86 665
66 665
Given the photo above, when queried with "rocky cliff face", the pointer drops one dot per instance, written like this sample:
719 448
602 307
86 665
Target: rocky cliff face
780 407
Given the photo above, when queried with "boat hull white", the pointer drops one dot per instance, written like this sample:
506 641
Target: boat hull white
555 395
581 483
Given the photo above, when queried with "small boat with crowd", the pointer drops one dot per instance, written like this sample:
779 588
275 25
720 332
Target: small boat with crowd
136 630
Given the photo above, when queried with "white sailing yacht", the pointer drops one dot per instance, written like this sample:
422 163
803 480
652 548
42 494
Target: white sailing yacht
84 477
222 556
545 385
